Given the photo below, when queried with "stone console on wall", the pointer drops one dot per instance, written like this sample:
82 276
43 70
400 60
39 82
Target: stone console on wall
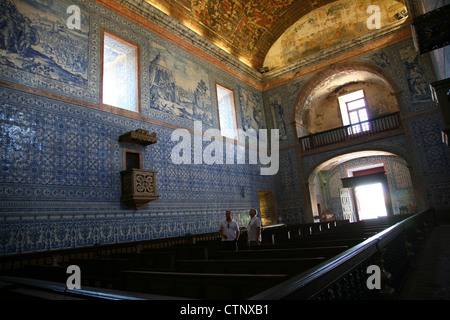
138 185
139 136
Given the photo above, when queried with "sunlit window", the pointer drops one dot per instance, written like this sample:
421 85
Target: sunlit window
120 73
354 111
227 114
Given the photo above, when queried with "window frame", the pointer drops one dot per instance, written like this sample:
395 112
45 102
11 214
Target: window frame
233 110
362 126
136 47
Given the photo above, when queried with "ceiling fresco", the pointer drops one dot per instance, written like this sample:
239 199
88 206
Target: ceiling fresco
327 26
274 33
245 29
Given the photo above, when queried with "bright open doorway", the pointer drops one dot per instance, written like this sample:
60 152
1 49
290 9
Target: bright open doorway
370 201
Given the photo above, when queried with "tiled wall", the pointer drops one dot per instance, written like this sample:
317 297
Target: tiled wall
60 154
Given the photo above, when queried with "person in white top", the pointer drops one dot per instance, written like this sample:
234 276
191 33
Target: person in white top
229 230
253 229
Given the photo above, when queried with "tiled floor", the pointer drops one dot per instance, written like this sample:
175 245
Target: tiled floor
431 278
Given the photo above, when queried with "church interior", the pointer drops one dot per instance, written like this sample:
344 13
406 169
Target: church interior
132 126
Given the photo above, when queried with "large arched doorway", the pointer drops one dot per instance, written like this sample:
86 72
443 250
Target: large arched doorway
362 185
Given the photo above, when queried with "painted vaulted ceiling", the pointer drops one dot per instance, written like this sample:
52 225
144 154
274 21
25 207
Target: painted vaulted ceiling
273 33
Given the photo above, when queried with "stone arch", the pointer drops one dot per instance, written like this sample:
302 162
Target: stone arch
354 153
341 157
335 76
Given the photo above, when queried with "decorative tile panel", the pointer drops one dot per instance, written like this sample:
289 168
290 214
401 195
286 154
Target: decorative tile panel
42 52
432 159
252 115
61 162
60 182
432 155
289 192
410 71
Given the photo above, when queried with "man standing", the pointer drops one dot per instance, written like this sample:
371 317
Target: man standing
253 229
229 230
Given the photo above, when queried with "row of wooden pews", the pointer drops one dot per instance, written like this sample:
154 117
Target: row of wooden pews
201 270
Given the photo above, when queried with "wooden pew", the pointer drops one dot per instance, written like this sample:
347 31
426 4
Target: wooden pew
294 231
289 266
335 234
210 249
201 270
284 252
20 288
323 230
199 285
311 242
44 272
100 272
214 250
200 250
162 260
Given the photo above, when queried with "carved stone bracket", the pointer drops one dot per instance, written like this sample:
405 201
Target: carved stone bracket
138 187
139 136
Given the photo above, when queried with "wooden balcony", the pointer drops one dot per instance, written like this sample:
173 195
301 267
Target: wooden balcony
373 129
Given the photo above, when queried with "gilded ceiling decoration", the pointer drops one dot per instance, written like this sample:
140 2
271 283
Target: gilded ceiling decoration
245 29
327 26
275 33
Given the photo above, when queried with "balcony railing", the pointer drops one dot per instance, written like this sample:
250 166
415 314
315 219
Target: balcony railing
352 132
